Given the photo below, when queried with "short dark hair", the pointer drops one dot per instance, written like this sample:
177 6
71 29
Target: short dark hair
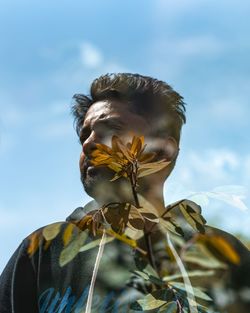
146 96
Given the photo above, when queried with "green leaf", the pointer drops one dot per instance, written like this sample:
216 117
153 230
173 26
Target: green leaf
156 280
203 258
203 309
147 303
140 262
146 206
170 307
192 220
190 274
198 218
135 218
150 217
51 231
154 300
72 249
132 233
195 291
164 294
171 226
194 206
174 205
94 244
150 271
147 276
141 274
200 308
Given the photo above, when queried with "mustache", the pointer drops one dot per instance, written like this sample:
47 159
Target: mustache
87 162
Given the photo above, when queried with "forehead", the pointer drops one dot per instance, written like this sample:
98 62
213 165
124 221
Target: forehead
111 109
102 109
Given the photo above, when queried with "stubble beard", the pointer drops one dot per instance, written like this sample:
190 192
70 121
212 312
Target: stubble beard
97 185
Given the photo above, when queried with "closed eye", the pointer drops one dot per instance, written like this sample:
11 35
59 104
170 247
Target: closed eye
107 130
84 134
102 128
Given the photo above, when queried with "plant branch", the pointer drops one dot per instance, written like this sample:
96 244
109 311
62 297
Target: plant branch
94 274
133 186
147 235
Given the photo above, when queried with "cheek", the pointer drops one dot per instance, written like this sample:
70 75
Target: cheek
81 160
164 148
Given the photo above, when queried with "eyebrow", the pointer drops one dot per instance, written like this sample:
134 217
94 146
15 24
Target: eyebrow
113 121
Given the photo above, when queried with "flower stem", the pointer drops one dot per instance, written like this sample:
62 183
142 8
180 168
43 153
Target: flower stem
147 235
133 186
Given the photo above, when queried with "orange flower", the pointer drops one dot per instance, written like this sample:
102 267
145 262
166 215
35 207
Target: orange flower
127 159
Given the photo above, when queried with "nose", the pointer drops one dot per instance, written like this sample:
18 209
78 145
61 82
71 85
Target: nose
89 145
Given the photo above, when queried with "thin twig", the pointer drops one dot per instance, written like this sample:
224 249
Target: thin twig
133 186
189 289
94 274
147 235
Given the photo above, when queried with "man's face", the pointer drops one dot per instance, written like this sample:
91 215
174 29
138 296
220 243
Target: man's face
103 120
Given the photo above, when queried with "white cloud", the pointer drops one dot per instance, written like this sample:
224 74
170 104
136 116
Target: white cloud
247 164
53 119
219 181
215 165
203 171
90 55
85 63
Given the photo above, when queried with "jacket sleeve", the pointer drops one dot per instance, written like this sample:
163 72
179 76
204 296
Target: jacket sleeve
18 290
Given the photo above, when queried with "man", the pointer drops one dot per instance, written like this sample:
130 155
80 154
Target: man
122 105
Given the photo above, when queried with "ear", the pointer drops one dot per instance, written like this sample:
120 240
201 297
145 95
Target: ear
171 149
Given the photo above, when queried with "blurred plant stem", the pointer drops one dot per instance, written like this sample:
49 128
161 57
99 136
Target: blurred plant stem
147 234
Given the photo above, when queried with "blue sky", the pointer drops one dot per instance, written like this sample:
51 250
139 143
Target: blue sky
51 50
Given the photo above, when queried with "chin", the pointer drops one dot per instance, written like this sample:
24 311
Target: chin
95 178
98 186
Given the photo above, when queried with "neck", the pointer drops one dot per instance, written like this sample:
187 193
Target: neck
121 192
154 195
